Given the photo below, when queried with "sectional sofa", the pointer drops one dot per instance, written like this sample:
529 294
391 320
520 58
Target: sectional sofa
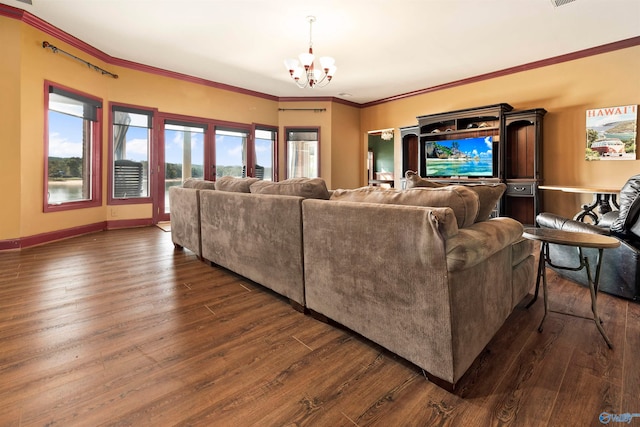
423 272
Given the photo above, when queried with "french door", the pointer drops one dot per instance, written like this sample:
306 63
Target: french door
183 153
190 148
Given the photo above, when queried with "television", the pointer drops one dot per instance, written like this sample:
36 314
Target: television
465 157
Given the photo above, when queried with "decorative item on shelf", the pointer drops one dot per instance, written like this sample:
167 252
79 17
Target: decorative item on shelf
387 134
484 125
303 71
472 126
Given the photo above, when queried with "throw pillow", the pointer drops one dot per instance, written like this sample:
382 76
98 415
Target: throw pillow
489 194
199 184
309 188
234 184
415 180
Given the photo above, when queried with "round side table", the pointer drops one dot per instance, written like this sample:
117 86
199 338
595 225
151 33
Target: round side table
578 240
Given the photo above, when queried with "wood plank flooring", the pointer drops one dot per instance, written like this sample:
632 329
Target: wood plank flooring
119 329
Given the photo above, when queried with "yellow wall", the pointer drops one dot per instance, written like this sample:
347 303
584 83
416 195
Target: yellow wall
132 87
566 91
27 65
347 154
10 116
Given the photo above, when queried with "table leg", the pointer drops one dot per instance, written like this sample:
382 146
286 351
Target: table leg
545 250
541 261
593 288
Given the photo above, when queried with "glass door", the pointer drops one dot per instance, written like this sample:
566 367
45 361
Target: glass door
232 153
183 157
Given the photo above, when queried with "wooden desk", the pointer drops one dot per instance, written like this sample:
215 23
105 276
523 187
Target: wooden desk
603 198
578 240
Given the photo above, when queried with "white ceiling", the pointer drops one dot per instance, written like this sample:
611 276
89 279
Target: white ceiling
382 48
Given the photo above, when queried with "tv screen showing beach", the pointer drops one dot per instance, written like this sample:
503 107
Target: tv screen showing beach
471 157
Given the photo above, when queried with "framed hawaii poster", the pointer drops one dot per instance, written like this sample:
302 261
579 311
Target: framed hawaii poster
611 133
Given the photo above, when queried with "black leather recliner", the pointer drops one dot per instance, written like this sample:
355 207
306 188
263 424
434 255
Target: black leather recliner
620 274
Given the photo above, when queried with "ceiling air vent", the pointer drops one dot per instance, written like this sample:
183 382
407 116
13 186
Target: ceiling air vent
558 3
25 1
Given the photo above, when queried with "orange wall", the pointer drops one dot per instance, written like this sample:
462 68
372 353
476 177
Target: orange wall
9 131
566 90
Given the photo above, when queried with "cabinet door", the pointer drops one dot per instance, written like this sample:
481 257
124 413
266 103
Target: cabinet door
410 153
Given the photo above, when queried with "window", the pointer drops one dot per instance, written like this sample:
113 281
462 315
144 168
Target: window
72 150
131 145
265 149
303 153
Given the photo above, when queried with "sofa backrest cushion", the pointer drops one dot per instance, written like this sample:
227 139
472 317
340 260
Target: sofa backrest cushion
309 188
234 184
489 193
463 201
199 184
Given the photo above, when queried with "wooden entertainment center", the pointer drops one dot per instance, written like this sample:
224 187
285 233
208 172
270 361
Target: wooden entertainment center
515 138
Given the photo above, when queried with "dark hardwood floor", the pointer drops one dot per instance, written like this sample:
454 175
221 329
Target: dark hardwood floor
117 329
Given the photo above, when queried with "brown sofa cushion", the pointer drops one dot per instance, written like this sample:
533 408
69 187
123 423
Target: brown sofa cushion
463 201
199 184
309 188
234 184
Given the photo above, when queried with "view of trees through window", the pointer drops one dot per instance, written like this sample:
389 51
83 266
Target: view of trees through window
71 147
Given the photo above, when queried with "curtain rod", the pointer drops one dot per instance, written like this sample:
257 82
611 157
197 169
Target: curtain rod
54 49
315 110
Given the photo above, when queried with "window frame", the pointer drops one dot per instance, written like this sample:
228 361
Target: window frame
286 146
151 162
95 147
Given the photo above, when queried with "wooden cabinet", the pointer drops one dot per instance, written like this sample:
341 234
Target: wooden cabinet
441 148
523 164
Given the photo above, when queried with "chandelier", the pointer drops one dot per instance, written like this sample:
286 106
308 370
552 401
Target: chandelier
303 71
387 134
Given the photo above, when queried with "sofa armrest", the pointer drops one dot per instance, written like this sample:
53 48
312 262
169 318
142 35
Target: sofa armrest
185 218
476 243
549 220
